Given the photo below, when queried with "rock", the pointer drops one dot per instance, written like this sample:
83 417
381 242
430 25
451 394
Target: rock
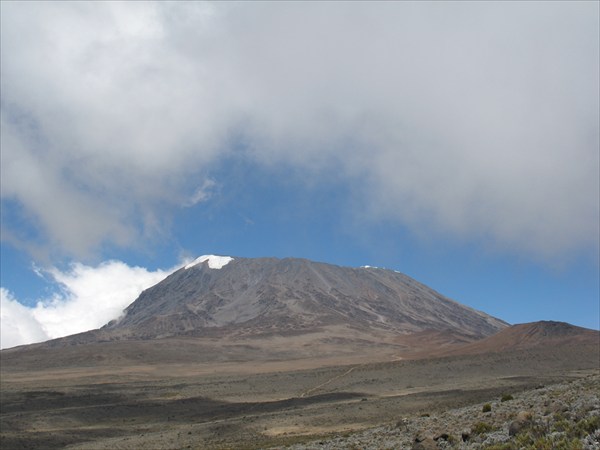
465 435
402 423
494 438
443 436
555 407
426 444
523 421
422 435
524 416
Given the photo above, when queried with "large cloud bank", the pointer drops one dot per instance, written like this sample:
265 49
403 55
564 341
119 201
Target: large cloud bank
464 118
87 298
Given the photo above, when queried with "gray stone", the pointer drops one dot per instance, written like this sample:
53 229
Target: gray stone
523 421
426 444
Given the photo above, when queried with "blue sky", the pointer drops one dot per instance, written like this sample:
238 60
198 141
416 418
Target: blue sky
454 142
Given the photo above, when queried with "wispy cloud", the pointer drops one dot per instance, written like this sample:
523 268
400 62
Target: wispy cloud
202 193
467 119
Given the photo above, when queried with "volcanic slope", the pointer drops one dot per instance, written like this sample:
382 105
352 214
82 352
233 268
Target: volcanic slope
220 309
268 295
525 336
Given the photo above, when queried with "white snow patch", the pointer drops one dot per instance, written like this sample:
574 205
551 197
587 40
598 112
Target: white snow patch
369 267
214 261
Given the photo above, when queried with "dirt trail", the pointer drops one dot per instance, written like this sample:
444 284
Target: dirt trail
331 380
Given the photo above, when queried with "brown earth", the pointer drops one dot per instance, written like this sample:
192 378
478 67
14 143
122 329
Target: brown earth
527 335
178 393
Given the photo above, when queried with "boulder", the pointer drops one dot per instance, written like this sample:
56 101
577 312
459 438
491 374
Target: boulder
443 436
523 421
465 434
426 444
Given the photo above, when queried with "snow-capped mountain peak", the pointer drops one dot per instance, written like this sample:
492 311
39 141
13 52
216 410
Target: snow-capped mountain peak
214 261
255 296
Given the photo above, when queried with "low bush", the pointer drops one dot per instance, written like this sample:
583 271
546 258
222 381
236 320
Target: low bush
481 428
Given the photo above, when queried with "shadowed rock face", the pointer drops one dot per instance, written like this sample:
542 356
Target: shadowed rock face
268 295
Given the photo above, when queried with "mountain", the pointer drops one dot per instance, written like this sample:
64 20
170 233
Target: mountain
229 352
549 334
265 296
224 309
291 313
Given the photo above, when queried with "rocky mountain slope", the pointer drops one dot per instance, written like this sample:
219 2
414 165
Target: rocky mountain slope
291 311
274 296
223 309
525 336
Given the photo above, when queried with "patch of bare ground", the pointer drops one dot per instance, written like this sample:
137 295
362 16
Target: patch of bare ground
270 404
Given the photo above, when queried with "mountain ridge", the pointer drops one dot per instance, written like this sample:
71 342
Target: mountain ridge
533 334
224 308
293 294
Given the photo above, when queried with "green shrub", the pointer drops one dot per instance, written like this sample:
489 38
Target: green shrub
486 408
506 397
528 441
451 439
587 426
481 428
562 426
504 446
547 443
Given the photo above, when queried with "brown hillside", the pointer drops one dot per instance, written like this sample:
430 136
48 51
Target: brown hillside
530 335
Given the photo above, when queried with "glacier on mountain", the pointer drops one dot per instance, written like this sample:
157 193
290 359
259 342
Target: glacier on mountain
214 261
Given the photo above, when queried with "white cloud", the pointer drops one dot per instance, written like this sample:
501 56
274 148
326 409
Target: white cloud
18 326
87 298
202 193
472 119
